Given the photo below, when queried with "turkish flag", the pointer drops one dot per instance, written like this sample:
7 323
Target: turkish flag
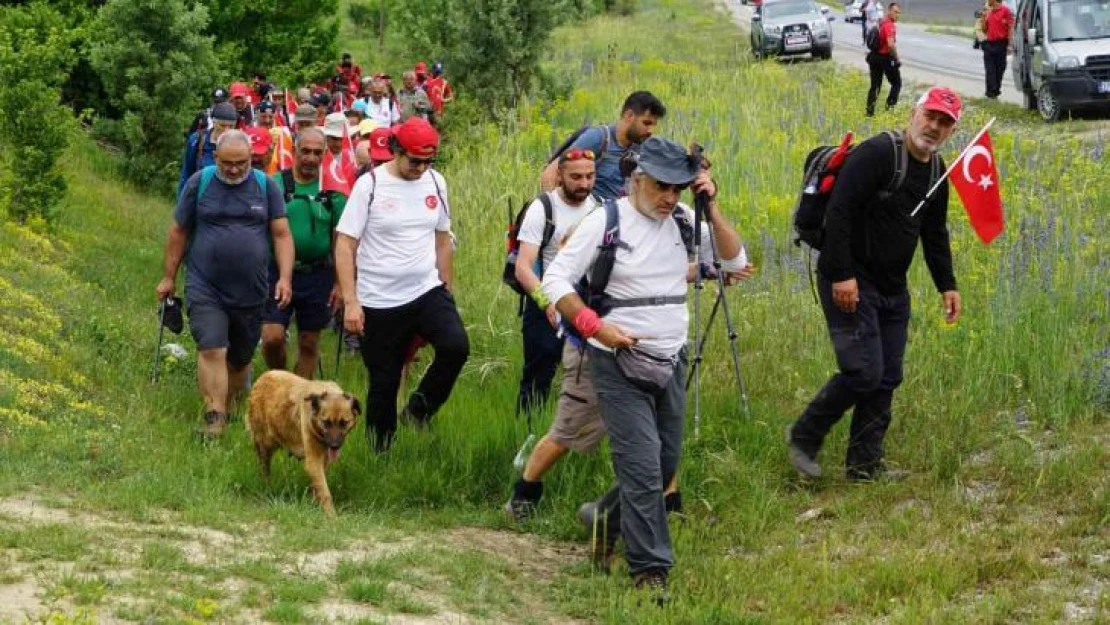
975 177
337 174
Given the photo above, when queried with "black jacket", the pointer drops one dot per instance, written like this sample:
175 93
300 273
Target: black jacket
871 238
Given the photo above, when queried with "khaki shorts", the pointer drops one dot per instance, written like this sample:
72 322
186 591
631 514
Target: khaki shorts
577 424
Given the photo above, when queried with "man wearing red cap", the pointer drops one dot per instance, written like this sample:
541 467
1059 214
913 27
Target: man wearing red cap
240 99
396 233
871 235
262 145
421 70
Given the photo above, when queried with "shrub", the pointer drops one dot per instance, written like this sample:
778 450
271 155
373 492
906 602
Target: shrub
35 57
155 64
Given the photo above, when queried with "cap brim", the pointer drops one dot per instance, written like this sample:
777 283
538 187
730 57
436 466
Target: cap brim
382 154
669 175
941 109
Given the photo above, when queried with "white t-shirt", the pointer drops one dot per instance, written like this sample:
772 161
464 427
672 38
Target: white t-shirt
565 217
396 258
654 264
385 113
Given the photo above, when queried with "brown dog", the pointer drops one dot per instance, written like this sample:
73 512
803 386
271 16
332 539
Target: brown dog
308 419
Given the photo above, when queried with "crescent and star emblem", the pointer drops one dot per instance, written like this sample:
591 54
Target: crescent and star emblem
985 182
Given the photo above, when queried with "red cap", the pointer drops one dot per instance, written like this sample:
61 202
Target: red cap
260 140
239 89
942 100
421 68
417 137
379 144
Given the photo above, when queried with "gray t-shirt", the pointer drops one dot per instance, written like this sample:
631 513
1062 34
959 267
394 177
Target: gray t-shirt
609 184
228 257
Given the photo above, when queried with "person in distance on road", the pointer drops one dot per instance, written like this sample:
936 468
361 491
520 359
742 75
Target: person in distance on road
313 215
640 114
222 228
885 62
997 22
870 240
398 224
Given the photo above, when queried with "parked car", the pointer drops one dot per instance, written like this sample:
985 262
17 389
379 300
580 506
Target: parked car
1062 55
853 11
789 28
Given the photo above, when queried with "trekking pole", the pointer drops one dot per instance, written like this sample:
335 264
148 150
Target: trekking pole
158 348
704 339
732 335
338 345
701 203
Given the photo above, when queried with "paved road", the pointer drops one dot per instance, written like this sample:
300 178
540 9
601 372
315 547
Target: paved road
927 58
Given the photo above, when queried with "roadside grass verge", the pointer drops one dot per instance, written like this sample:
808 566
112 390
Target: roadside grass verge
109 506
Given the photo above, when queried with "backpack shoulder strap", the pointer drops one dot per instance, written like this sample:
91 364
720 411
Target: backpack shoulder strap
604 141
607 254
548 219
439 192
261 179
901 160
373 190
685 229
202 138
288 185
206 175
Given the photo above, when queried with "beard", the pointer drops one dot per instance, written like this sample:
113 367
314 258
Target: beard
231 182
576 197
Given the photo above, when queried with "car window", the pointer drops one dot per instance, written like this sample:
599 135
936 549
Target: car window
1076 20
771 10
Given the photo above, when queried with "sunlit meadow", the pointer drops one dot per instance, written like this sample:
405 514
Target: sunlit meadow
1001 419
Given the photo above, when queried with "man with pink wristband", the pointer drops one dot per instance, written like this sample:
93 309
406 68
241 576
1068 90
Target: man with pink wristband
636 332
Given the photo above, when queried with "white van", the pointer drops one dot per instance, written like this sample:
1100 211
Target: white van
1062 55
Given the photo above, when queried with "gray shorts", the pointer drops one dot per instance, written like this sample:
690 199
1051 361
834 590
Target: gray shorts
216 327
577 424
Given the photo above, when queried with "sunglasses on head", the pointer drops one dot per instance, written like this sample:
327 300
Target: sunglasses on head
578 155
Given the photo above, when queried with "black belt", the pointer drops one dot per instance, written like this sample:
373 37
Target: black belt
635 302
300 267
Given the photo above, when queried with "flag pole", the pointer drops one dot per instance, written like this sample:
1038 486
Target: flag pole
948 172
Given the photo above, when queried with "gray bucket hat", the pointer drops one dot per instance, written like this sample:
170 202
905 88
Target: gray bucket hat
667 161
225 112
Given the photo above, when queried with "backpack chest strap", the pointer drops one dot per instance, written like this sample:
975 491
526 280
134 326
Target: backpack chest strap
640 302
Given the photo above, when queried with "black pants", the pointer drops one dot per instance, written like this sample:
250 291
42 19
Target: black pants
388 333
994 62
543 351
883 65
870 346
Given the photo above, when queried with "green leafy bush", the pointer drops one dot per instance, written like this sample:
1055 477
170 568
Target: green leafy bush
155 63
35 57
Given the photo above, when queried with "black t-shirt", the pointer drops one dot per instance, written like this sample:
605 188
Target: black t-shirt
874 239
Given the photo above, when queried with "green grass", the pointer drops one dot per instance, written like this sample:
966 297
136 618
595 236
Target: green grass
1001 419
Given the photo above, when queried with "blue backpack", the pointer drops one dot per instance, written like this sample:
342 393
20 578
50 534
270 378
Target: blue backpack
208 173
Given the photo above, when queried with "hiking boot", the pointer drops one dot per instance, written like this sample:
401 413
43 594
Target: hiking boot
654 581
804 463
214 425
879 472
526 498
587 514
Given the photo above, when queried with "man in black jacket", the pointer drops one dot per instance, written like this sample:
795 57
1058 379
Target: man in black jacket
871 233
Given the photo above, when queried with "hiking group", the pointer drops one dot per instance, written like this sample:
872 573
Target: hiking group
602 258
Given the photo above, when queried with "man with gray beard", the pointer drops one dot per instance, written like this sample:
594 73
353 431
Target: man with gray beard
226 216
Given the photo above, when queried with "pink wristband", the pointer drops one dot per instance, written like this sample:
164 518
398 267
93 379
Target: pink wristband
587 322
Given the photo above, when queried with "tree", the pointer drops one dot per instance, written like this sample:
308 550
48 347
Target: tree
293 41
156 64
36 55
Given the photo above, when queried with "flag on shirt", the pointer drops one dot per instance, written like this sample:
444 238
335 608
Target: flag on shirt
975 177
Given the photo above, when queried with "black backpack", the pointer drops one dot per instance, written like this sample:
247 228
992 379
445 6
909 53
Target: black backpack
569 141
508 274
821 170
871 37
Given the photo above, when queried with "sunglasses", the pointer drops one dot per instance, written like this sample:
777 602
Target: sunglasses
578 155
421 162
666 186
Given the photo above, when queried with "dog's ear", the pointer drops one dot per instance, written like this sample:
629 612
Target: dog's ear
356 408
314 400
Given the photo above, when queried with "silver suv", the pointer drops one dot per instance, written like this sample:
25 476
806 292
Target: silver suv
790 27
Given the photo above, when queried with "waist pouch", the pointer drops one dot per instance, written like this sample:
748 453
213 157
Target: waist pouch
648 373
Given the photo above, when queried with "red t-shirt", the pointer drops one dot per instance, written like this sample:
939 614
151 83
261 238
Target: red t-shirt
437 88
887 32
999 22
